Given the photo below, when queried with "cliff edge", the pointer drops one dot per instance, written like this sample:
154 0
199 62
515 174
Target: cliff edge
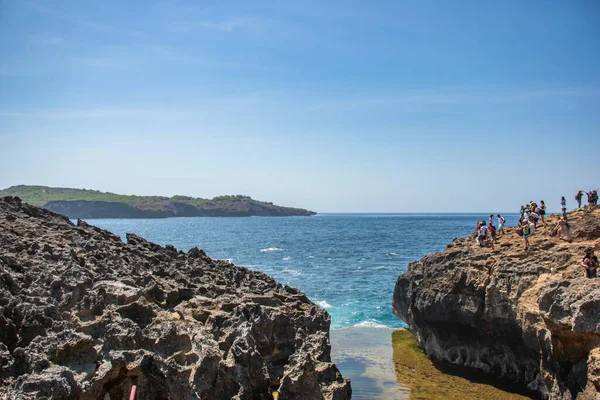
84 315
531 317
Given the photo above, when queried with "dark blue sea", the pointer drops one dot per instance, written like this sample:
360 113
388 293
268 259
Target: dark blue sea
346 263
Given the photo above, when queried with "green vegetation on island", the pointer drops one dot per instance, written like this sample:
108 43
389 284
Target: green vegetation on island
86 203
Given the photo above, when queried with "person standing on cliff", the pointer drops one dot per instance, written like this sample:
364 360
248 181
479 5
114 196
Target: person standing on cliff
542 210
590 263
578 197
492 230
501 222
563 207
590 197
534 218
532 206
482 234
525 227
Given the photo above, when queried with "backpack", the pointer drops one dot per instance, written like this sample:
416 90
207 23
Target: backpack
502 220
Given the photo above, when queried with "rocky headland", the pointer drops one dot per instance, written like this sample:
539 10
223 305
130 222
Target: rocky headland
84 315
530 317
88 204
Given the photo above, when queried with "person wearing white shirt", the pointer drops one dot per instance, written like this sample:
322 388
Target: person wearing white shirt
482 233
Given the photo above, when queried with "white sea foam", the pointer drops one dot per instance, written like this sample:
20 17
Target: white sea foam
286 258
294 272
370 323
382 267
391 253
323 304
270 249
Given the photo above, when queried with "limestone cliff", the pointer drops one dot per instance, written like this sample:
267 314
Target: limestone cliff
528 316
84 315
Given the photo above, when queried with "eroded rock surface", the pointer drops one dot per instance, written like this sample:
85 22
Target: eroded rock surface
84 315
528 316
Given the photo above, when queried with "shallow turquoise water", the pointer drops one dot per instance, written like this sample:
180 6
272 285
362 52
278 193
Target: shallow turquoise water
346 263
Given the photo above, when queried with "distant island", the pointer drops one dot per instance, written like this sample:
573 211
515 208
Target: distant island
88 204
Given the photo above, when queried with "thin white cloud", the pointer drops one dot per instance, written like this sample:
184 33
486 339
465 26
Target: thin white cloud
194 108
80 21
100 62
188 57
227 25
78 113
49 40
276 100
15 71
233 24
452 97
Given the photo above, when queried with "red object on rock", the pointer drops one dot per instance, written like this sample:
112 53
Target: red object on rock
132 393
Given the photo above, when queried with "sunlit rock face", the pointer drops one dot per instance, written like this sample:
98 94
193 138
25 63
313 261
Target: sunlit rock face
529 316
84 315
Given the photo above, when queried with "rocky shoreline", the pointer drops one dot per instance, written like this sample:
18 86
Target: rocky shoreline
531 317
84 315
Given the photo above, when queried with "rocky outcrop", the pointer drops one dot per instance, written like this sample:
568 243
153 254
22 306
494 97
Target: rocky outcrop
530 316
84 315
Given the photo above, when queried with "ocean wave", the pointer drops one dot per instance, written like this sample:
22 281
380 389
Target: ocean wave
382 267
286 258
323 304
370 323
270 249
294 272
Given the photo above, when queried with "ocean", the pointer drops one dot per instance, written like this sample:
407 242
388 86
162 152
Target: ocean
348 264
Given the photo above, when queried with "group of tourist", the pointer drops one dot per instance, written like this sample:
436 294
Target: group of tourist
592 196
483 230
530 216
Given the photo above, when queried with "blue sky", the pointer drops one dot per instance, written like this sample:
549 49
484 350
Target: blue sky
337 106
